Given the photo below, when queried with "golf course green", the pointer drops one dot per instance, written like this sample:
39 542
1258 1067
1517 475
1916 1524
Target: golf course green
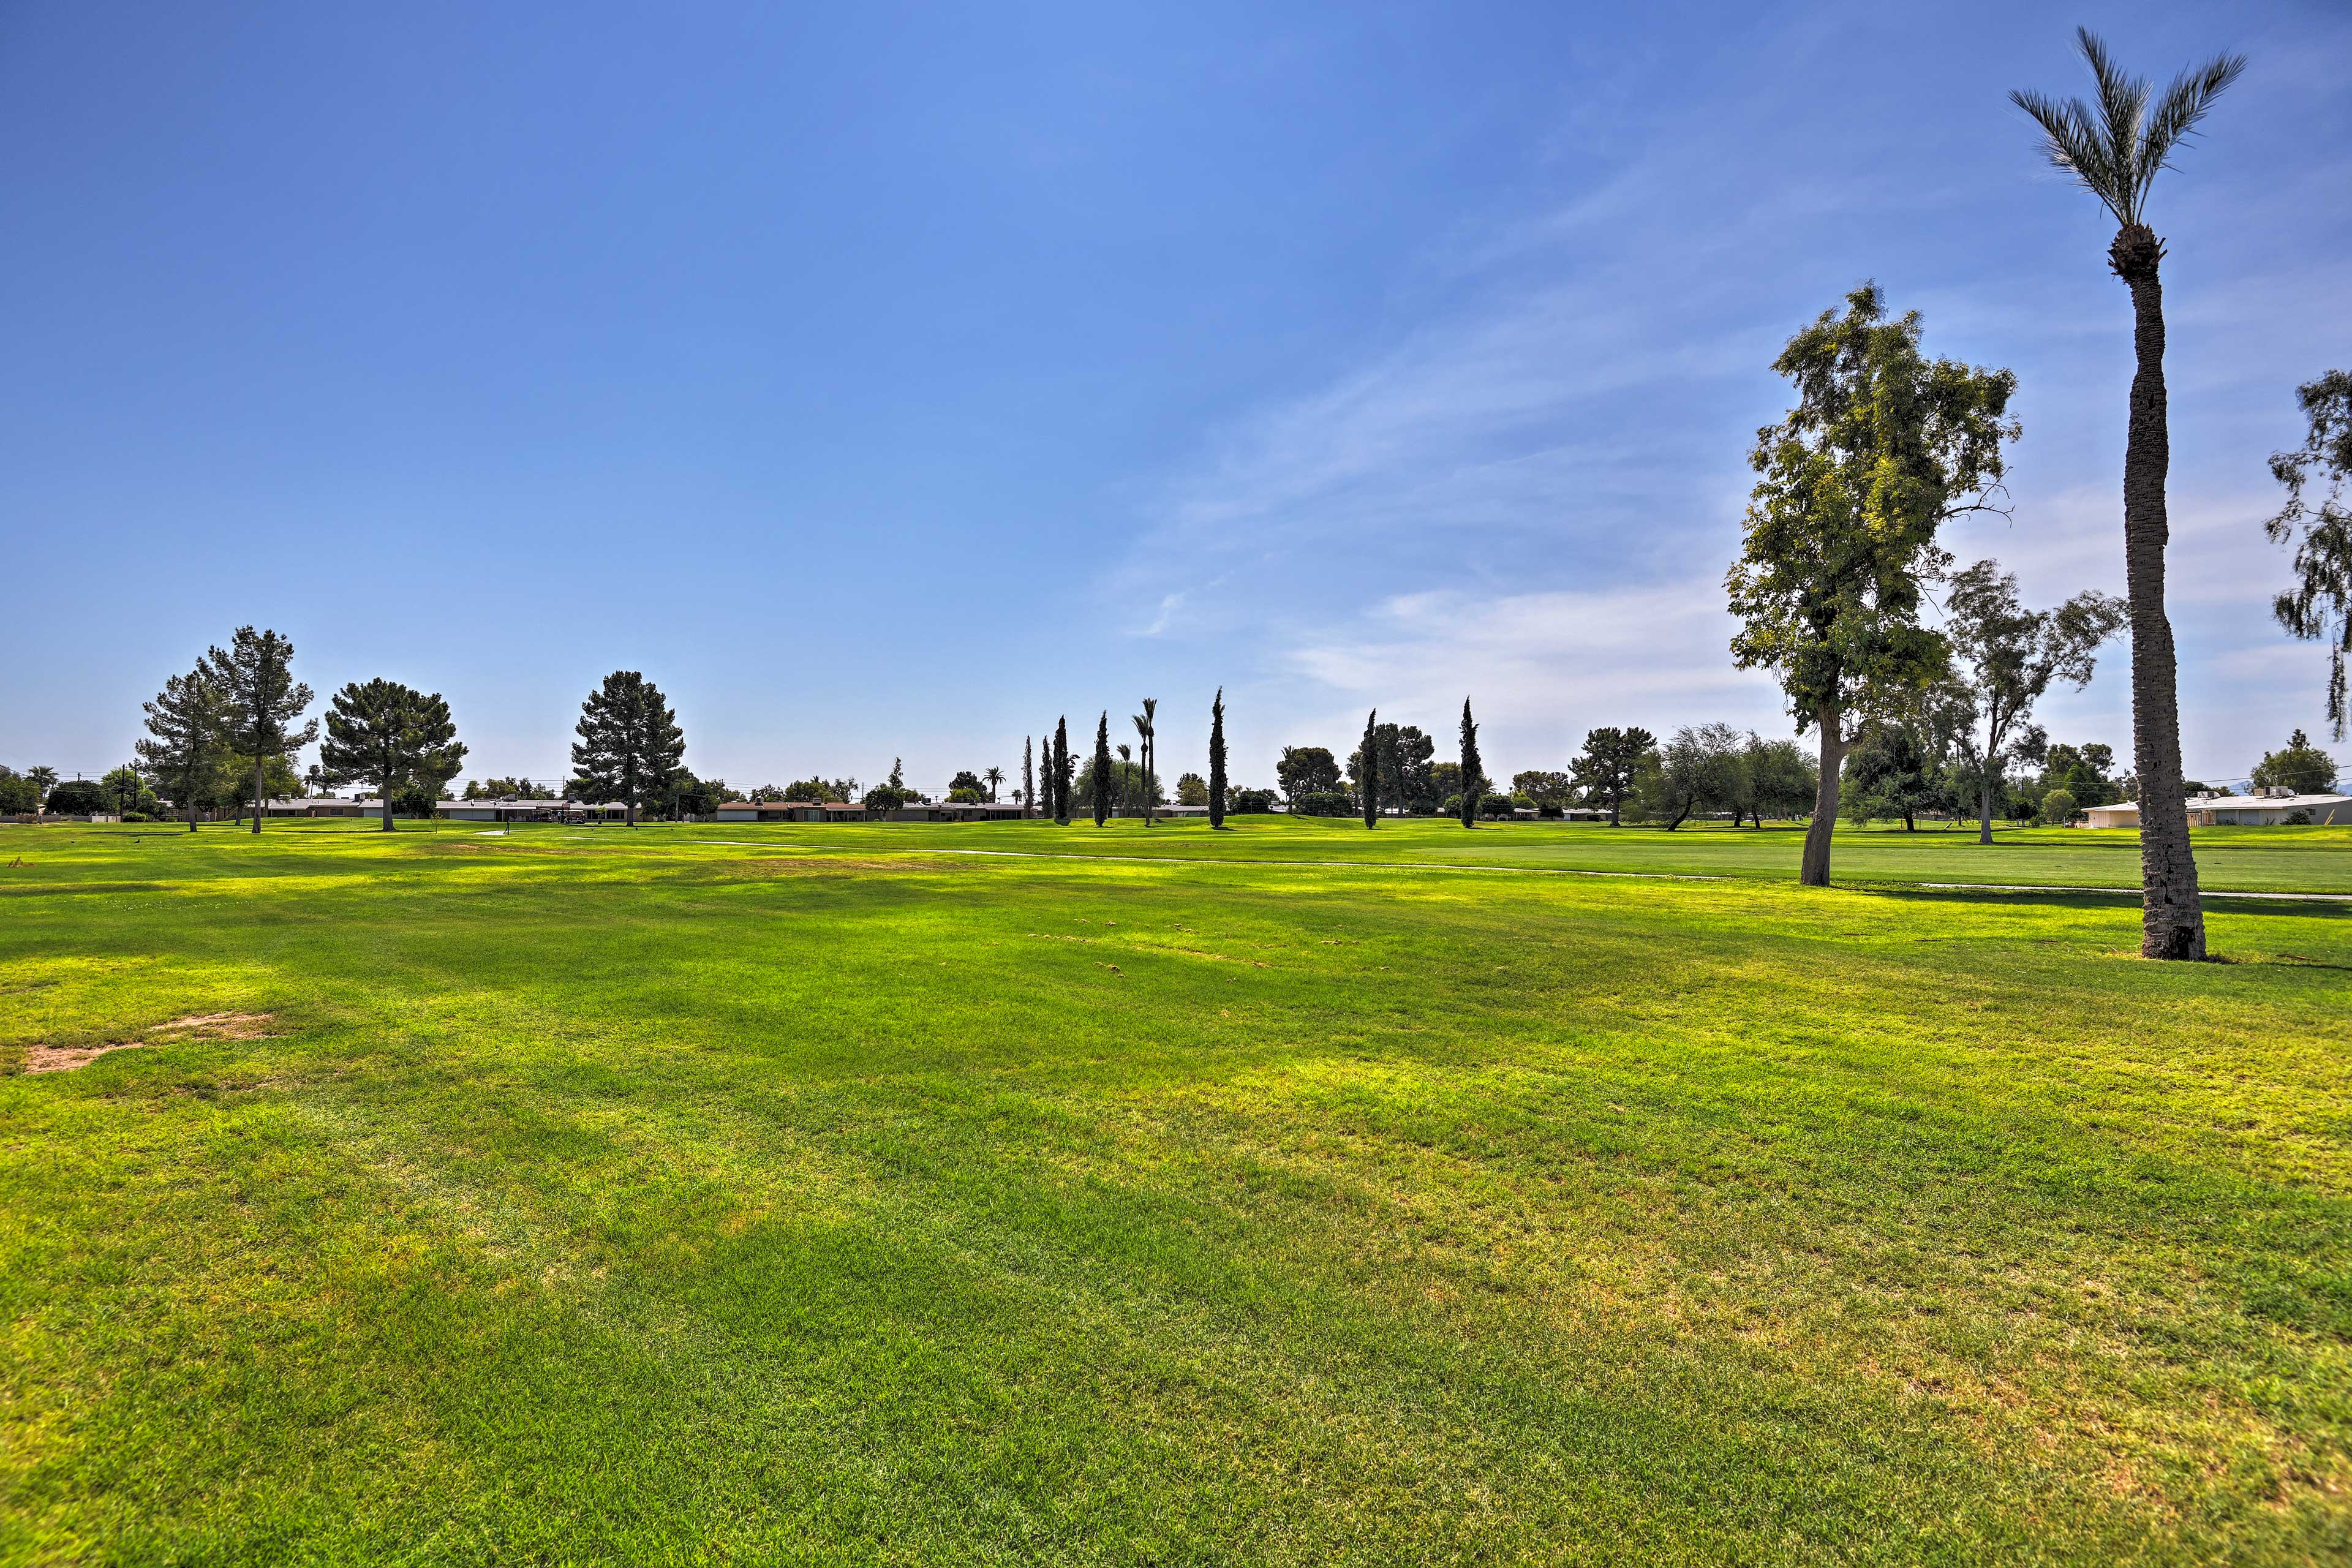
1296 1193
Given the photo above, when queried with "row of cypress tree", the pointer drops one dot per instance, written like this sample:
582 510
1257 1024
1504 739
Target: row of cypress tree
1052 794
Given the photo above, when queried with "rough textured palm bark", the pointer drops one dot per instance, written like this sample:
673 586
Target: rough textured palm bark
1815 872
2172 920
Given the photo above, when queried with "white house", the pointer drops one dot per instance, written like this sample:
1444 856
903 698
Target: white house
2268 808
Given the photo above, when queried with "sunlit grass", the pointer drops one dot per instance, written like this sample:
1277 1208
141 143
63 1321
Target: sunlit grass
611 1197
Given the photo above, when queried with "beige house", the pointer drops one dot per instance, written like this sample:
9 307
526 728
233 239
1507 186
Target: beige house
2268 808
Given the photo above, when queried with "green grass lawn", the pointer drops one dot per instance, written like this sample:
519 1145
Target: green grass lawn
637 1198
2257 859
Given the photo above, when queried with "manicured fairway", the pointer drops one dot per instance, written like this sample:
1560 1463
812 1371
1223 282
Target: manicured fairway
611 1197
2291 859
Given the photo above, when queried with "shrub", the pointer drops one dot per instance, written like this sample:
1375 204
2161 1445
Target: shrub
2058 808
1324 803
1494 806
1550 813
966 796
136 816
2298 817
1244 802
1451 805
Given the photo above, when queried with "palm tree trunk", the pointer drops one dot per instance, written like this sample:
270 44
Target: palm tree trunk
1815 872
2172 922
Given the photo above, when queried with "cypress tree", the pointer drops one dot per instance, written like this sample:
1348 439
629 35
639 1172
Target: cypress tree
1028 776
1102 768
1217 759
1060 785
1371 779
1473 772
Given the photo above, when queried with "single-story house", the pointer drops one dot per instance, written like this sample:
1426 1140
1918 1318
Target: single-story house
2268 808
515 809
774 811
323 805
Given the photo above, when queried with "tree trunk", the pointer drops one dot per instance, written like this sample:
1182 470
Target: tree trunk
1615 802
1909 826
387 802
2172 921
257 796
1815 872
192 808
1984 809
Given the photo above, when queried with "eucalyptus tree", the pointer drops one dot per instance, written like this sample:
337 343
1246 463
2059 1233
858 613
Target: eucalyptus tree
2114 149
2319 606
1474 768
392 736
187 739
1217 759
629 743
1882 446
2005 657
255 675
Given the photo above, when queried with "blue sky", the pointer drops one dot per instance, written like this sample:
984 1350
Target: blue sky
889 382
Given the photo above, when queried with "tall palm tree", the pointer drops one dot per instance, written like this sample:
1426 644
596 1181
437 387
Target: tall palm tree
2114 149
995 776
1146 731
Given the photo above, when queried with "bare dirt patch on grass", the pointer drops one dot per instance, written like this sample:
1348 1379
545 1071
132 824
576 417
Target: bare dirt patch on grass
194 1027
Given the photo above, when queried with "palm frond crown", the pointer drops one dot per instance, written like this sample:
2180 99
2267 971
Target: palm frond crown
2114 147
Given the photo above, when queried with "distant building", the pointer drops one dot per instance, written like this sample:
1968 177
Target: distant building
777 811
2270 807
517 809
321 806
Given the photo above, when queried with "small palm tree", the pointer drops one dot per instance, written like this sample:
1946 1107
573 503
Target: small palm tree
2114 149
995 776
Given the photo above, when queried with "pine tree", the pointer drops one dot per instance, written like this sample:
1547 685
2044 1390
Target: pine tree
256 677
187 725
630 745
1474 770
1217 759
1372 780
1102 779
392 736
1060 781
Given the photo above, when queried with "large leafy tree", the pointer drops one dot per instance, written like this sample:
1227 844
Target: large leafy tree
1895 766
1611 764
255 675
629 743
2319 606
1368 773
2005 657
2298 765
1306 770
2114 146
1217 759
392 736
1474 768
1883 446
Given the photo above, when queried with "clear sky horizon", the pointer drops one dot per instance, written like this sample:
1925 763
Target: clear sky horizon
888 382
